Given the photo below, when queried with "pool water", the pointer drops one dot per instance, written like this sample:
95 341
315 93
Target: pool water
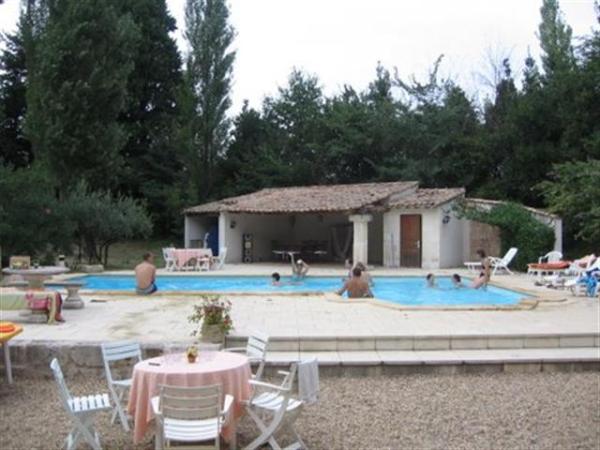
410 291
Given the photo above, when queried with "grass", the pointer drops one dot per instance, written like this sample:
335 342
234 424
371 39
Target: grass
126 255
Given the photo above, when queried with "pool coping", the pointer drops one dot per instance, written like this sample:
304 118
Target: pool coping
532 300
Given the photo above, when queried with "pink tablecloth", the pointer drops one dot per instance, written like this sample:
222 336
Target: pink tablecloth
183 255
231 370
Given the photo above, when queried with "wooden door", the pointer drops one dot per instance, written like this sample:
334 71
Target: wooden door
410 240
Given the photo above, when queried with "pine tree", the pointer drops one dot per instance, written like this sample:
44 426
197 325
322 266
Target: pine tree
82 63
15 148
151 155
209 76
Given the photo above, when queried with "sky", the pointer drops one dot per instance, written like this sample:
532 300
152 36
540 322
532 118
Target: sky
341 41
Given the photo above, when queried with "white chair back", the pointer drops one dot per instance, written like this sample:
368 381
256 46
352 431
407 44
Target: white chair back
551 257
222 257
510 254
119 351
63 390
256 348
191 403
308 381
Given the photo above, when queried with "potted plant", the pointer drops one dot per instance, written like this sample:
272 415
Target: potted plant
213 318
192 353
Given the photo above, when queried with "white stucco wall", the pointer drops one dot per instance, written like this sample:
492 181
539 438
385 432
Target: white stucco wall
451 239
431 235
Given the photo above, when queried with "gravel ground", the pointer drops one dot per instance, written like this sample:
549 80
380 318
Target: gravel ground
501 411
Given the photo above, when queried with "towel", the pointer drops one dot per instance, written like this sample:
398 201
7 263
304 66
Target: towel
308 380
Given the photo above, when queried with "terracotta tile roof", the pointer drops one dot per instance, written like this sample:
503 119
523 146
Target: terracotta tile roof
334 198
426 198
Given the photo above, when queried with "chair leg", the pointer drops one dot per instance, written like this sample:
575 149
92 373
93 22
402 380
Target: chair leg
84 428
118 409
266 433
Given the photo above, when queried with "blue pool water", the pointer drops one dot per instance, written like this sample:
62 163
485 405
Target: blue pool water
402 290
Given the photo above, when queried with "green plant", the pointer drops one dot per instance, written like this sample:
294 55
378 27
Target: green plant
212 311
518 228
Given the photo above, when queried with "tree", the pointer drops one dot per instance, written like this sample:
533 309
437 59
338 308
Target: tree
555 40
82 63
100 219
31 219
15 148
151 155
295 127
209 72
574 193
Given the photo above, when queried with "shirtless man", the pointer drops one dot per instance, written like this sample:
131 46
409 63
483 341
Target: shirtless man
299 268
145 276
356 286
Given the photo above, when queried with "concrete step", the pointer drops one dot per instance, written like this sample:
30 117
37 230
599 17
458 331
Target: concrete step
425 342
372 363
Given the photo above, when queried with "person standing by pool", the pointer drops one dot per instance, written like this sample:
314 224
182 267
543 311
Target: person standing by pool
145 275
486 271
299 268
356 286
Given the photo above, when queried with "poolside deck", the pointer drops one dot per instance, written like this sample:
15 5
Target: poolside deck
164 317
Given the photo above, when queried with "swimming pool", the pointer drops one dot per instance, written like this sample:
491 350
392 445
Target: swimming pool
409 291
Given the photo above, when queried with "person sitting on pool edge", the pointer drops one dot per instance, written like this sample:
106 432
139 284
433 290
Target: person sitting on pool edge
356 286
145 275
457 281
299 268
486 271
430 279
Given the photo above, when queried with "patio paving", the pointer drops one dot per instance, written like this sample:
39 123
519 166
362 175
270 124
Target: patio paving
164 317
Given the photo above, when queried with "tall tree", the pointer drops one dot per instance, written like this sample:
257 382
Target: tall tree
295 126
555 40
209 75
151 156
15 148
82 64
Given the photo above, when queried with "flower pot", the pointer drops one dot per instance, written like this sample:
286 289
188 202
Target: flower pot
213 334
191 358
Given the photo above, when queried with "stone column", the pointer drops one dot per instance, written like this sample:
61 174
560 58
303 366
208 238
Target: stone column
360 244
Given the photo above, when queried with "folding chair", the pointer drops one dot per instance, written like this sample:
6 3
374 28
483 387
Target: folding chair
81 411
188 414
255 350
113 352
277 403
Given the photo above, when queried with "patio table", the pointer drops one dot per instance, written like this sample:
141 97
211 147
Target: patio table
5 338
230 370
183 255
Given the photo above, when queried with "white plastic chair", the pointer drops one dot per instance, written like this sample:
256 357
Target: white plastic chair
255 350
551 257
170 262
502 263
219 261
81 410
277 404
113 352
190 414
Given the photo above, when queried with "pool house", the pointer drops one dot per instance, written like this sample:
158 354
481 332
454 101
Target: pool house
393 224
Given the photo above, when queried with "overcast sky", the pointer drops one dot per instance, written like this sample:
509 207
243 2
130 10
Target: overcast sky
342 40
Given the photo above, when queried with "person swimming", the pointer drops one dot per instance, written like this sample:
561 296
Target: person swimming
457 281
430 279
275 279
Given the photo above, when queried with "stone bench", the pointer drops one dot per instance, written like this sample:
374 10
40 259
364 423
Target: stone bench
73 300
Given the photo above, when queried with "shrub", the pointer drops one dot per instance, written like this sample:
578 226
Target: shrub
518 228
